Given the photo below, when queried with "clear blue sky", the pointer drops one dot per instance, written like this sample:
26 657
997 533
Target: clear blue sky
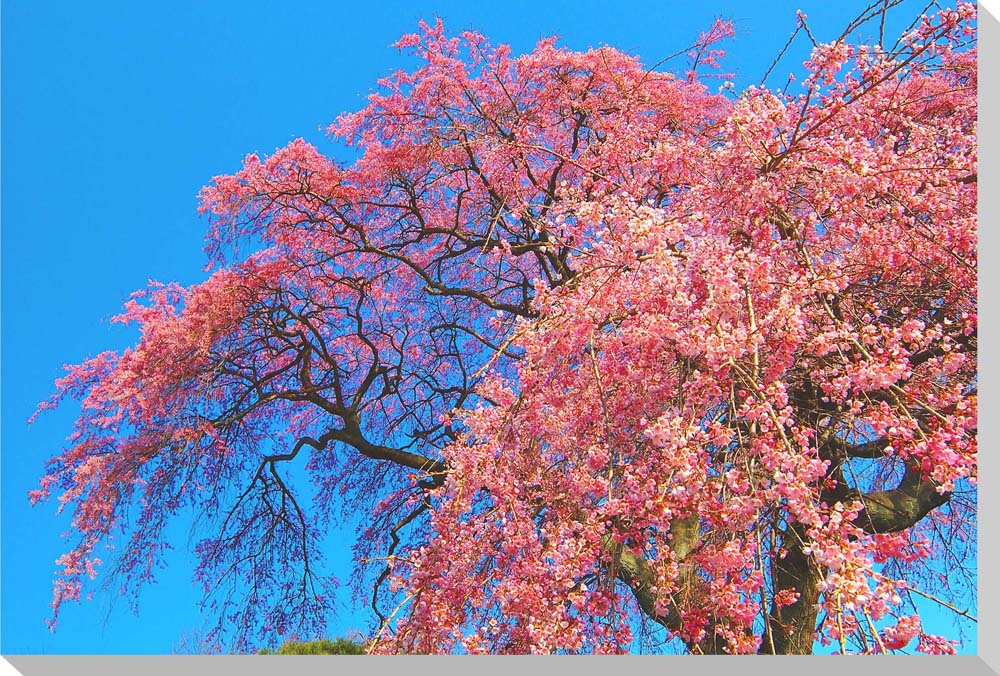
114 115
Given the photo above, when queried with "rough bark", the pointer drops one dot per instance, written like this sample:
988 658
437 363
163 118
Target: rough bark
791 628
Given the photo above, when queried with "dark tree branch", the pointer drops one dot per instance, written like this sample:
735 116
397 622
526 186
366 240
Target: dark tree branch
791 627
902 507
351 435
837 447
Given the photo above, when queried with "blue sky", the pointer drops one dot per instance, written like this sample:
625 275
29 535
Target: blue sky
116 113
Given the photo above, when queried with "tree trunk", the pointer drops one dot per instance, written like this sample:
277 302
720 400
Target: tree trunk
791 629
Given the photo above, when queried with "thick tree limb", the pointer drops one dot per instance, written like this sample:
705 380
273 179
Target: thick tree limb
835 446
641 578
791 627
351 435
901 507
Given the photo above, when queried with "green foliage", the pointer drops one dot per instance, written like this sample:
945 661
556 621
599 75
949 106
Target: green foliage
340 646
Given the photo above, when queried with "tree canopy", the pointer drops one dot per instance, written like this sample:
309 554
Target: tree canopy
338 646
600 355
